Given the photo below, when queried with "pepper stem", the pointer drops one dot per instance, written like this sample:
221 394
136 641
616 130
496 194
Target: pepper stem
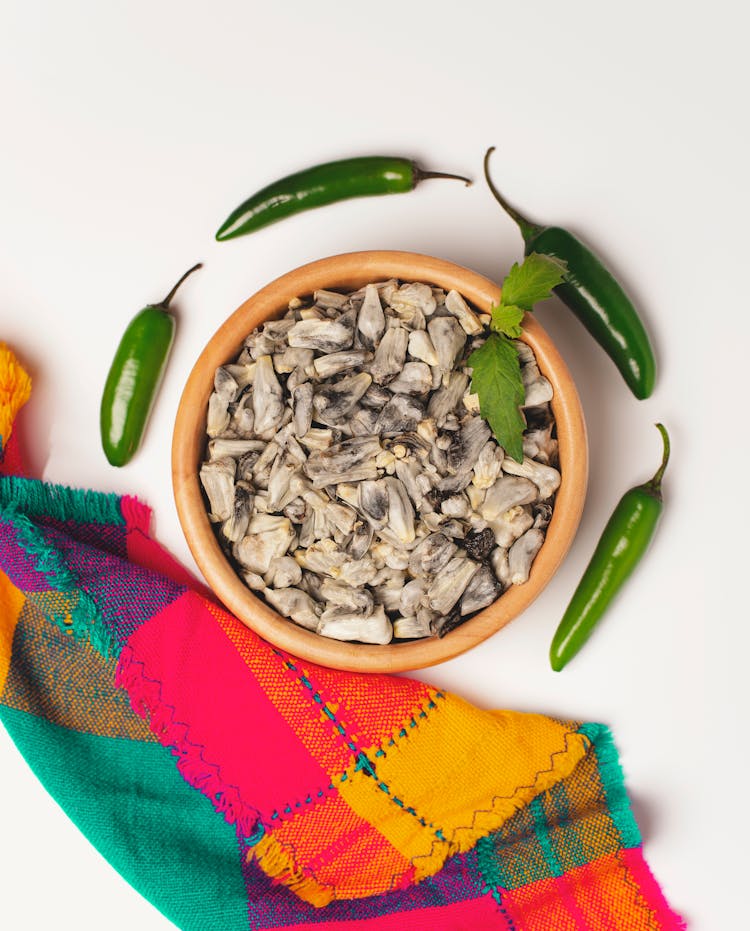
654 486
528 229
419 174
165 303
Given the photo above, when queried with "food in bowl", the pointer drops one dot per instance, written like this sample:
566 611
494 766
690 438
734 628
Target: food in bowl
351 478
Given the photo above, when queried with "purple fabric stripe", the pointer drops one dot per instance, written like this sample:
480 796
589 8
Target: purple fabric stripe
127 595
19 567
275 906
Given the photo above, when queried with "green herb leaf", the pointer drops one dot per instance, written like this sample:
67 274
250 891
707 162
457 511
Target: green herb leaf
507 319
533 280
496 378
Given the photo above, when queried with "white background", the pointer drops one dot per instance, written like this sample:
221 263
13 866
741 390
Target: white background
129 131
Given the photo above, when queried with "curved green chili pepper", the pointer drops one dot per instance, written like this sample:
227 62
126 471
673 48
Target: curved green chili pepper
325 184
134 377
594 296
623 542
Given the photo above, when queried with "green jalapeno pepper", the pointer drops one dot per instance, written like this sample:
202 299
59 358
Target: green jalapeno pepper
594 296
325 184
622 544
134 378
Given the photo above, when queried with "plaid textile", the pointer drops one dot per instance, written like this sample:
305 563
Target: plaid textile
324 798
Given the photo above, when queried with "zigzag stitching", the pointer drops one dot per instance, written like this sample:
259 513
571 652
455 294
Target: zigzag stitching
173 734
639 896
498 798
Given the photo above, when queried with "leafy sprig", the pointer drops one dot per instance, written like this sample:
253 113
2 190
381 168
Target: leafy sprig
496 368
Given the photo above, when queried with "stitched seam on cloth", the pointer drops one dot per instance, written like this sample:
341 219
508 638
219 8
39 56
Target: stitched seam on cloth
452 846
364 762
486 862
60 502
311 801
147 702
497 895
655 922
529 785
86 619
296 807
600 738
397 736
318 699
361 760
639 896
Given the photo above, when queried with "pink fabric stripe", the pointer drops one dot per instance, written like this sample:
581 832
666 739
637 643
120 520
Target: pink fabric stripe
149 554
470 915
565 888
11 457
205 681
669 920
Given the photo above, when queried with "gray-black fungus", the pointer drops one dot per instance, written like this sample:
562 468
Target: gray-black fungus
351 478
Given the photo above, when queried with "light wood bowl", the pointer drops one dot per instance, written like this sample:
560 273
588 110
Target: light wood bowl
352 271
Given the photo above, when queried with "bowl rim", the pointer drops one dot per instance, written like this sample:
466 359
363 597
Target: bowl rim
349 271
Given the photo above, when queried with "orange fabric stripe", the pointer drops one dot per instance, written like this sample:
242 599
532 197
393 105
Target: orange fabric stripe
337 845
12 601
326 745
598 896
480 775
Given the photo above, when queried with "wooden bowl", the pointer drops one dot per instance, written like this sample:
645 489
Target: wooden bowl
349 272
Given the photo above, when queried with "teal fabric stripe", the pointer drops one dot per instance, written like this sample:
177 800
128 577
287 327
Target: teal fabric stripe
566 843
130 801
542 834
489 862
87 622
60 502
613 782
527 849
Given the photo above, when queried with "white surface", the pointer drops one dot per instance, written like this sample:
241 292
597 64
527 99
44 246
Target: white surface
129 130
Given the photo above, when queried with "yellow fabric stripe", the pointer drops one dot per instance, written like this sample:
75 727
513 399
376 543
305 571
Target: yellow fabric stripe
12 601
400 828
464 772
15 387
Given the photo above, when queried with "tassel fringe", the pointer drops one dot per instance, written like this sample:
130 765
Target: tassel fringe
146 701
15 388
280 866
60 502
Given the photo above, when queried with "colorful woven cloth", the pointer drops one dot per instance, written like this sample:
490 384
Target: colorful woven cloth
323 798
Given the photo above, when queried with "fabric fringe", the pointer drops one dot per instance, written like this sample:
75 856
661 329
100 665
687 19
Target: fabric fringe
620 809
136 514
613 782
650 892
281 867
146 701
15 388
85 620
484 821
60 502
